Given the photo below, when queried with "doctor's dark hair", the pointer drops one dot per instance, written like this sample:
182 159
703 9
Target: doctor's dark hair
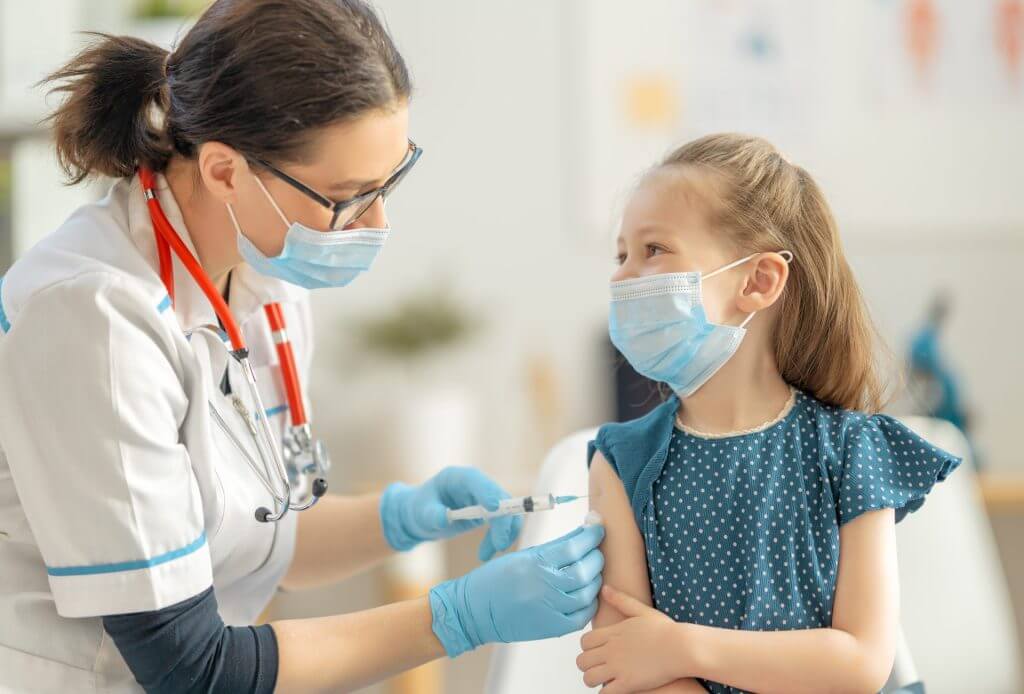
262 76
823 338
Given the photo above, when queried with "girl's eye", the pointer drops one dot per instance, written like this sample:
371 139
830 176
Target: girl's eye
653 250
620 259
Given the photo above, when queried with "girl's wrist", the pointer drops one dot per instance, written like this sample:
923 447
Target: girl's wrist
688 652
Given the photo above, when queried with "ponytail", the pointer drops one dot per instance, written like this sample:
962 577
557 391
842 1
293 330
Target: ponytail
261 76
110 121
823 339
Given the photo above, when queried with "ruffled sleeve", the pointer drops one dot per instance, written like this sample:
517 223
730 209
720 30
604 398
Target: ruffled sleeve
636 451
886 465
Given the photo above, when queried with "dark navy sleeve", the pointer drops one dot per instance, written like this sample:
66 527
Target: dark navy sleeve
187 648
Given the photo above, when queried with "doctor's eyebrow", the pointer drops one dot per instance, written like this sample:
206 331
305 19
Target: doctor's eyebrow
354 185
367 183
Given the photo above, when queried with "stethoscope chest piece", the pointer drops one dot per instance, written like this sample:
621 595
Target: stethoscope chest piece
281 467
304 455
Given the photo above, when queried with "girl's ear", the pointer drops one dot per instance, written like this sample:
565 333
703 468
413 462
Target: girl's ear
765 281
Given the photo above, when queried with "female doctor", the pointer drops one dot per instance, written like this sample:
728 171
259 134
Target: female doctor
155 440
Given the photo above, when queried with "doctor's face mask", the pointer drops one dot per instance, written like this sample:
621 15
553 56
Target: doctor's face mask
350 232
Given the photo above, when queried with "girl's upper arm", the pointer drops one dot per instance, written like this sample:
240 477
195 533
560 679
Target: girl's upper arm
625 559
867 587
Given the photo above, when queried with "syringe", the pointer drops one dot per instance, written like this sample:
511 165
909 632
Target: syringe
510 507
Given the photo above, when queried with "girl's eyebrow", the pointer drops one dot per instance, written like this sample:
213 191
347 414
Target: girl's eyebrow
654 229
659 228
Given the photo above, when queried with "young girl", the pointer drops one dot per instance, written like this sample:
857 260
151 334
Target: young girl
755 509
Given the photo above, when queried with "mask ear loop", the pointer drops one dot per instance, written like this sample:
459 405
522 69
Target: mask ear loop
786 255
730 266
272 202
234 219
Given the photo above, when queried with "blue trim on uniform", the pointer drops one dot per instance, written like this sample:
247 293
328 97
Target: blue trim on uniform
276 410
4 323
90 569
164 304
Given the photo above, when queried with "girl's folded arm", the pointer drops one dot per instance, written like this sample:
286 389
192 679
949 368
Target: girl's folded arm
625 555
854 655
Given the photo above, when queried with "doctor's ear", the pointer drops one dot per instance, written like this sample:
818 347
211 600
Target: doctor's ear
765 282
221 169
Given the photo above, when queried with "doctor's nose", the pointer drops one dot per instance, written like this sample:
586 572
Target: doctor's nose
375 217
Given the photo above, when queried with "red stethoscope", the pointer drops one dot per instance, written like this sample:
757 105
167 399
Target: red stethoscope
300 455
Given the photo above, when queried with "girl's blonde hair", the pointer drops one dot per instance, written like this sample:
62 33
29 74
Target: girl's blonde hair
824 340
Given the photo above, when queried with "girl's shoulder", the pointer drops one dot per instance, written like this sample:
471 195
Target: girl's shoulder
840 429
873 460
637 436
631 448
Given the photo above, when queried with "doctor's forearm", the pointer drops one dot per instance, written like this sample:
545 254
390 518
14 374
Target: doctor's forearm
346 652
338 537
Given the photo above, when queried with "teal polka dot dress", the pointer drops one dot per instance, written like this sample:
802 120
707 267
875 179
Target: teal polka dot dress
742 530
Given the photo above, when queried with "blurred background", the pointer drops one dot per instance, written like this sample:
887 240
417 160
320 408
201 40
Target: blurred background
479 338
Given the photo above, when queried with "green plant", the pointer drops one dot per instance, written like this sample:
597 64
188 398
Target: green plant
153 9
418 324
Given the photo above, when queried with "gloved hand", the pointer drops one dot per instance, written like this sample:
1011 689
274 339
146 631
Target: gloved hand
535 593
410 515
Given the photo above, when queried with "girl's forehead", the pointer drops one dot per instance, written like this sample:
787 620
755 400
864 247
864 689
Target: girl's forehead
663 202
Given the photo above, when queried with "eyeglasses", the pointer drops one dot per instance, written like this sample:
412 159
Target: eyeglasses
345 212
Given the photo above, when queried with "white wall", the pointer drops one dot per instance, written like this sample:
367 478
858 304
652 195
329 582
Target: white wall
518 105
483 210
527 153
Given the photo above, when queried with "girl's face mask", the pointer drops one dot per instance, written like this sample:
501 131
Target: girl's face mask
659 325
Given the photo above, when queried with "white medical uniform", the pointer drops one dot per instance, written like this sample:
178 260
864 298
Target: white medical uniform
119 492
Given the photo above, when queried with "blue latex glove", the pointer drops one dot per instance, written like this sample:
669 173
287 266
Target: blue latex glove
411 515
535 593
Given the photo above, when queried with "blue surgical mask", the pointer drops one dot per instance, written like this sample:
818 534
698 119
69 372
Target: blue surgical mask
659 325
314 259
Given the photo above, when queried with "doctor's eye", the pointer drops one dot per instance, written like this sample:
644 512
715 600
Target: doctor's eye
653 250
620 259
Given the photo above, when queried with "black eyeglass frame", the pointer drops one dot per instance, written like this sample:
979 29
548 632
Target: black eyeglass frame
361 202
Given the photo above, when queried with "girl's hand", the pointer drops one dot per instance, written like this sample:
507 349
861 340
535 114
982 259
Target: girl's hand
644 651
